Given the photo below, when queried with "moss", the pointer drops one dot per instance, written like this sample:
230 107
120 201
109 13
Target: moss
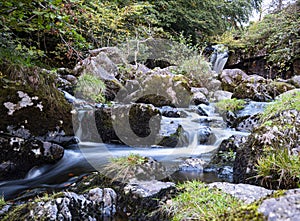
39 83
230 105
20 212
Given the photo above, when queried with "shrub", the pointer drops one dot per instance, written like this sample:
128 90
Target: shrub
91 88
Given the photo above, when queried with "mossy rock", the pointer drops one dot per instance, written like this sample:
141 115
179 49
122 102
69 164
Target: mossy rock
46 110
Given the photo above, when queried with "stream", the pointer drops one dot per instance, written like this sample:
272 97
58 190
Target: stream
86 157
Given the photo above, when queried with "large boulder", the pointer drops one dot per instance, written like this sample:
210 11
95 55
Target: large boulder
278 137
33 102
285 207
160 88
231 78
104 68
132 124
96 204
18 155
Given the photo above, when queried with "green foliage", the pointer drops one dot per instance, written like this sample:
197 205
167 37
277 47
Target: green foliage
198 202
280 168
200 19
91 88
288 101
277 34
61 32
2 202
197 70
230 105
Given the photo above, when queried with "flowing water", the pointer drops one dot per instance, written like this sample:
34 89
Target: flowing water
91 156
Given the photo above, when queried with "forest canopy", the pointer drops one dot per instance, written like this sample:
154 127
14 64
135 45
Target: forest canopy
62 31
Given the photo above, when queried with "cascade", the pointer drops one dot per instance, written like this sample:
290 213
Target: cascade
219 58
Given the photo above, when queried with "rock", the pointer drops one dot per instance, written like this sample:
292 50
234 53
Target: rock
192 164
168 111
246 123
294 91
296 66
281 133
71 78
148 169
144 189
18 155
203 90
282 208
35 104
276 88
71 206
114 54
295 81
256 92
99 65
205 136
142 199
213 85
160 89
104 68
172 135
223 158
132 124
221 95
245 192
231 78
199 98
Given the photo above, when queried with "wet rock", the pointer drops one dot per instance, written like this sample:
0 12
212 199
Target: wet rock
205 135
246 123
168 111
245 192
133 124
199 98
223 158
147 188
192 164
283 208
231 78
142 199
18 155
172 135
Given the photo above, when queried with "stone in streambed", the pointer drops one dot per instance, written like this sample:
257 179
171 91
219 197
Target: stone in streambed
18 155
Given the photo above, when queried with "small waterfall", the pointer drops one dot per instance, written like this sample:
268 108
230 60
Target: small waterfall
219 58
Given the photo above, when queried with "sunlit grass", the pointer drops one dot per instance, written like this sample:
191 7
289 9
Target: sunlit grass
199 202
